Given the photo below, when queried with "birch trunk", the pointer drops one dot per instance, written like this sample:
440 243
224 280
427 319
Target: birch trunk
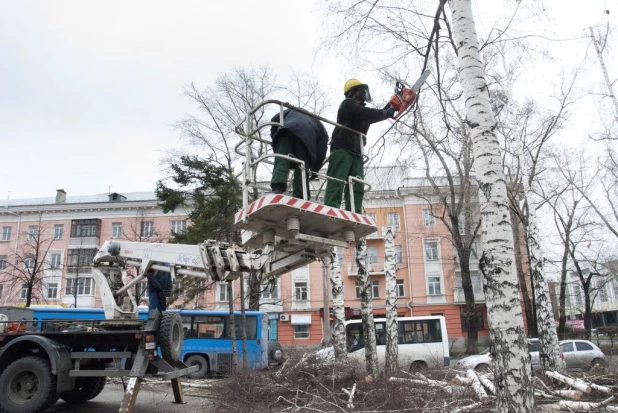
390 268
336 285
369 334
512 367
549 351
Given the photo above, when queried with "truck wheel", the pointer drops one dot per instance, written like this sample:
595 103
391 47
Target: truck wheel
86 388
27 385
170 336
197 360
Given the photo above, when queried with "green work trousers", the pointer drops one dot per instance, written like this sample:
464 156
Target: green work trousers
342 164
288 144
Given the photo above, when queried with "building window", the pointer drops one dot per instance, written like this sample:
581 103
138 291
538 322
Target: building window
80 260
146 229
300 291
428 219
179 227
58 231
400 289
372 215
461 223
3 262
222 295
433 284
375 289
1 287
603 293
480 321
301 331
271 290
116 229
474 256
24 292
33 232
372 255
340 256
80 286
393 220
358 289
55 259
141 291
576 289
85 228
431 250
52 290
6 233
398 254
29 263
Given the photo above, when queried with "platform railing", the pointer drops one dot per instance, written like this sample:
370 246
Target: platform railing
250 132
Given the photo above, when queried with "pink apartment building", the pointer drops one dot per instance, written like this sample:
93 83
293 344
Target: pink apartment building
427 273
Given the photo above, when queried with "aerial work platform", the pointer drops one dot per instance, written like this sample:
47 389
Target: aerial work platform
283 216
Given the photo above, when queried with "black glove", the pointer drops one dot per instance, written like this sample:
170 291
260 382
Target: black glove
391 112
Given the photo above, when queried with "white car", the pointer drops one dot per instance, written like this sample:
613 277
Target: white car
483 361
581 354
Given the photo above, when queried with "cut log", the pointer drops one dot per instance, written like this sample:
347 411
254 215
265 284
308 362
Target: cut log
477 386
468 408
461 381
575 383
601 389
584 406
569 394
489 385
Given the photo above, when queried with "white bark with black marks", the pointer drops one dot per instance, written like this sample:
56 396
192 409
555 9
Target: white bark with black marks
364 284
514 389
336 285
390 268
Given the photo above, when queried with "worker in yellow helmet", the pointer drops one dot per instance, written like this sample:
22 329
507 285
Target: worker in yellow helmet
345 155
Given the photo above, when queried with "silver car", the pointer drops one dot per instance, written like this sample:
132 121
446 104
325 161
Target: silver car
483 361
581 354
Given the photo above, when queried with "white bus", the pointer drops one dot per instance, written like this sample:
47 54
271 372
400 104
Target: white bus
422 341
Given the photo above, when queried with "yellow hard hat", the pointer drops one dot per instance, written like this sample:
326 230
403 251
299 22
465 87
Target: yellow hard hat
351 83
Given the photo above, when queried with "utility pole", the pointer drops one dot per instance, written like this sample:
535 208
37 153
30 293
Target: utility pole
610 87
325 264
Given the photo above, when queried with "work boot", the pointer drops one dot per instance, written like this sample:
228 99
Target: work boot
277 189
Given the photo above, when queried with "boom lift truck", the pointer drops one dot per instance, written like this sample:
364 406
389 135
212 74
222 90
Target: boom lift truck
283 233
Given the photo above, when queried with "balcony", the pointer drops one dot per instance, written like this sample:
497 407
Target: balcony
83 270
379 234
374 268
84 242
459 298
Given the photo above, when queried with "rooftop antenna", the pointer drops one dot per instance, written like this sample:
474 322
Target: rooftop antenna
109 189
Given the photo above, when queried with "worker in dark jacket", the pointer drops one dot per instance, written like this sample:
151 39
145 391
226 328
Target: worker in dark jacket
345 154
159 288
304 138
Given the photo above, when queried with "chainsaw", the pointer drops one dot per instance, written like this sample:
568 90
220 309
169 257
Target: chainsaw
405 95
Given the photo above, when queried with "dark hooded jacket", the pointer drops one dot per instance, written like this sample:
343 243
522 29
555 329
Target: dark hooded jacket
354 115
309 130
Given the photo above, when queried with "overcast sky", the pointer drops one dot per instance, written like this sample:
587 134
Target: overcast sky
89 89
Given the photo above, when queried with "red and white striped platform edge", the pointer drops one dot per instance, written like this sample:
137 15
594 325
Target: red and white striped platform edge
362 225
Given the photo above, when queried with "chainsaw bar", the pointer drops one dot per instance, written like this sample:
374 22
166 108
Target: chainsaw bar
416 87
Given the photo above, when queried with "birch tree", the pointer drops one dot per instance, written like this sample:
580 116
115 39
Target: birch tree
507 334
371 357
336 285
390 268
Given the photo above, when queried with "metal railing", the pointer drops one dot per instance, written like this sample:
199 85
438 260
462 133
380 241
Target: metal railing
249 131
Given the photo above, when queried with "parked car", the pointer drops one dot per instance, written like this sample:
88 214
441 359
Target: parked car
482 362
576 354
581 353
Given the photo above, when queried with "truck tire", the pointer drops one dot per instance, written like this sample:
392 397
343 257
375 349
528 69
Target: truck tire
197 360
27 385
86 388
170 336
